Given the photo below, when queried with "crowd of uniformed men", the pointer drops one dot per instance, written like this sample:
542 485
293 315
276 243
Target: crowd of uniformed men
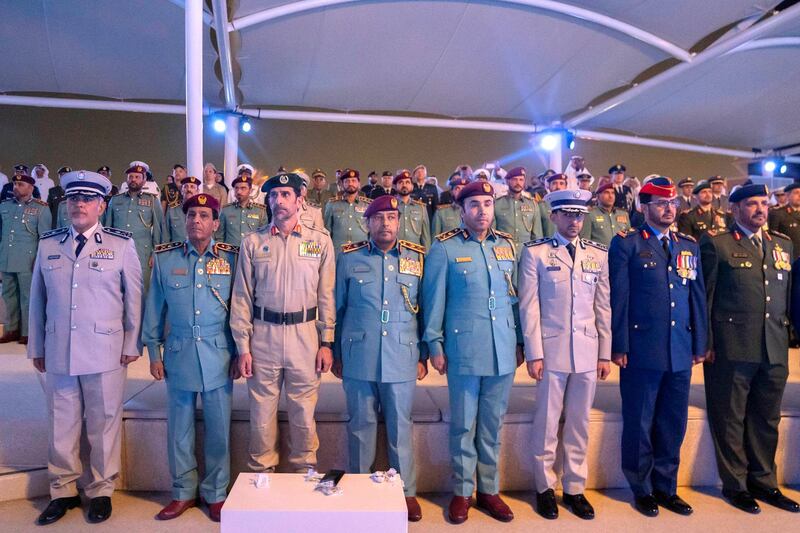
347 278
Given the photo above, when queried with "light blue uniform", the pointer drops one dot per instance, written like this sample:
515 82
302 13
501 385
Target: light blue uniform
470 306
140 214
378 342
173 226
193 293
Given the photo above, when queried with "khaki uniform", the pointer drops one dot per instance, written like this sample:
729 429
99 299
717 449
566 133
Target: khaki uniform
565 310
601 225
311 216
519 217
282 308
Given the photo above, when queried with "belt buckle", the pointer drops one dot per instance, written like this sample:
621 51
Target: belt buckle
492 303
384 316
196 332
284 319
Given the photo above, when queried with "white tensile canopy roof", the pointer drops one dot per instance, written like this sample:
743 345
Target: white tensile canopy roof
664 64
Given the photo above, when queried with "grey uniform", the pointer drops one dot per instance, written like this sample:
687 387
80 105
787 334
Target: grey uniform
85 314
236 221
345 220
415 224
519 217
173 227
22 225
141 215
446 217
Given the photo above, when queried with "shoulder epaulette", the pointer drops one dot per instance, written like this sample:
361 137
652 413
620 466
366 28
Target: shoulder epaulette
411 246
40 202
167 246
225 247
150 193
364 199
353 246
526 194
54 232
537 242
597 245
335 198
443 206
779 234
687 237
174 203
258 205
629 232
448 234
419 202
504 234
118 232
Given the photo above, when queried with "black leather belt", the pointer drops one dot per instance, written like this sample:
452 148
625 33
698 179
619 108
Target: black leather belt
284 319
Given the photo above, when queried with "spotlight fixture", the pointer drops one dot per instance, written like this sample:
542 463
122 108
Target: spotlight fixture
246 126
569 140
219 125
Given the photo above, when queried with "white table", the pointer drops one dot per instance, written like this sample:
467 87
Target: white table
291 504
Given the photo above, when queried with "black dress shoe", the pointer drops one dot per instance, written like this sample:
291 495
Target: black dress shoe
57 508
579 505
99 509
775 497
647 505
741 499
546 504
674 503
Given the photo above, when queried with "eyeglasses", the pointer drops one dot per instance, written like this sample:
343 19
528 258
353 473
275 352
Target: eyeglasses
663 204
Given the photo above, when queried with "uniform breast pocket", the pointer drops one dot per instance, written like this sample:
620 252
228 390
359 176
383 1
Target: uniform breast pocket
177 283
353 344
556 287
53 272
465 273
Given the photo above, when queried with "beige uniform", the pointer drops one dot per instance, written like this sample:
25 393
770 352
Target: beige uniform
565 312
291 280
311 216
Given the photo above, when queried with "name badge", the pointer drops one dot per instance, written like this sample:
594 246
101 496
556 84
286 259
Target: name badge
102 253
463 260
218 266
179 271
54 256
553 268
503 253
310 249
410 266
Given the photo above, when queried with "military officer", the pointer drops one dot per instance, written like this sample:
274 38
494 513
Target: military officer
720 199
659 330
62 219
23 220
243 216
174 223
786 219
423 191
747 272
516 212
605 220
385 188
469 304
415 224
704 217
191 289
555 182
567 332
344 212
318 194
86 310
56 195
282 317
378 352
780 197
138 212
448 216
310 215
686 186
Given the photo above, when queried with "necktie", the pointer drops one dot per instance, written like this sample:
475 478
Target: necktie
757 243
81 242
571 250
665 246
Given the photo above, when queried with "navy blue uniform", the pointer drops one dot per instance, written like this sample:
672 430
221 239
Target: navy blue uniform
659 319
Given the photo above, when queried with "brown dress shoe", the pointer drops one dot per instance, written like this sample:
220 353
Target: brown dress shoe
175 509
459 507
10 336
497 508
215 510
23 340
414 510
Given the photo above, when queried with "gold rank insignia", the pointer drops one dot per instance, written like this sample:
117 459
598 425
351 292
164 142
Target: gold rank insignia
504 253
410 266
310 249
219 266
102 253
463 260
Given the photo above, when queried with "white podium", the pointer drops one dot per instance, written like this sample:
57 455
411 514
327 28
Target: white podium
290 504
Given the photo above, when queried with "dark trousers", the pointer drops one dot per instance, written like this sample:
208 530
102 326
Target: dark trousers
655 406
744 410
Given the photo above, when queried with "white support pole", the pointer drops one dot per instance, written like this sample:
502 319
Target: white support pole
194 87
555 155
231 148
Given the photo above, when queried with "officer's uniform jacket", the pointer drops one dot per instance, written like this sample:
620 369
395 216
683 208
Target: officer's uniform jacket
236 221
311 215
285 276
447 217
601 225
696 222
658 305
470 302
415 225
21 225
319 198
174 224
786 220
85 312
520 218
748 300
140 215
345 220
565 306
62 219
192 293
378 314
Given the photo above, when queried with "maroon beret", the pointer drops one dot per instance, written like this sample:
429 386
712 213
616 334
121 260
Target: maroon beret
476 188
23 177
402 175
552 177
350 173
386 202
201 200
516 171
605 187
245 178
136 168
190 179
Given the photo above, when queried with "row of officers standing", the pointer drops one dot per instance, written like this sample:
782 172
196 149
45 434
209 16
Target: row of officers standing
283 308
